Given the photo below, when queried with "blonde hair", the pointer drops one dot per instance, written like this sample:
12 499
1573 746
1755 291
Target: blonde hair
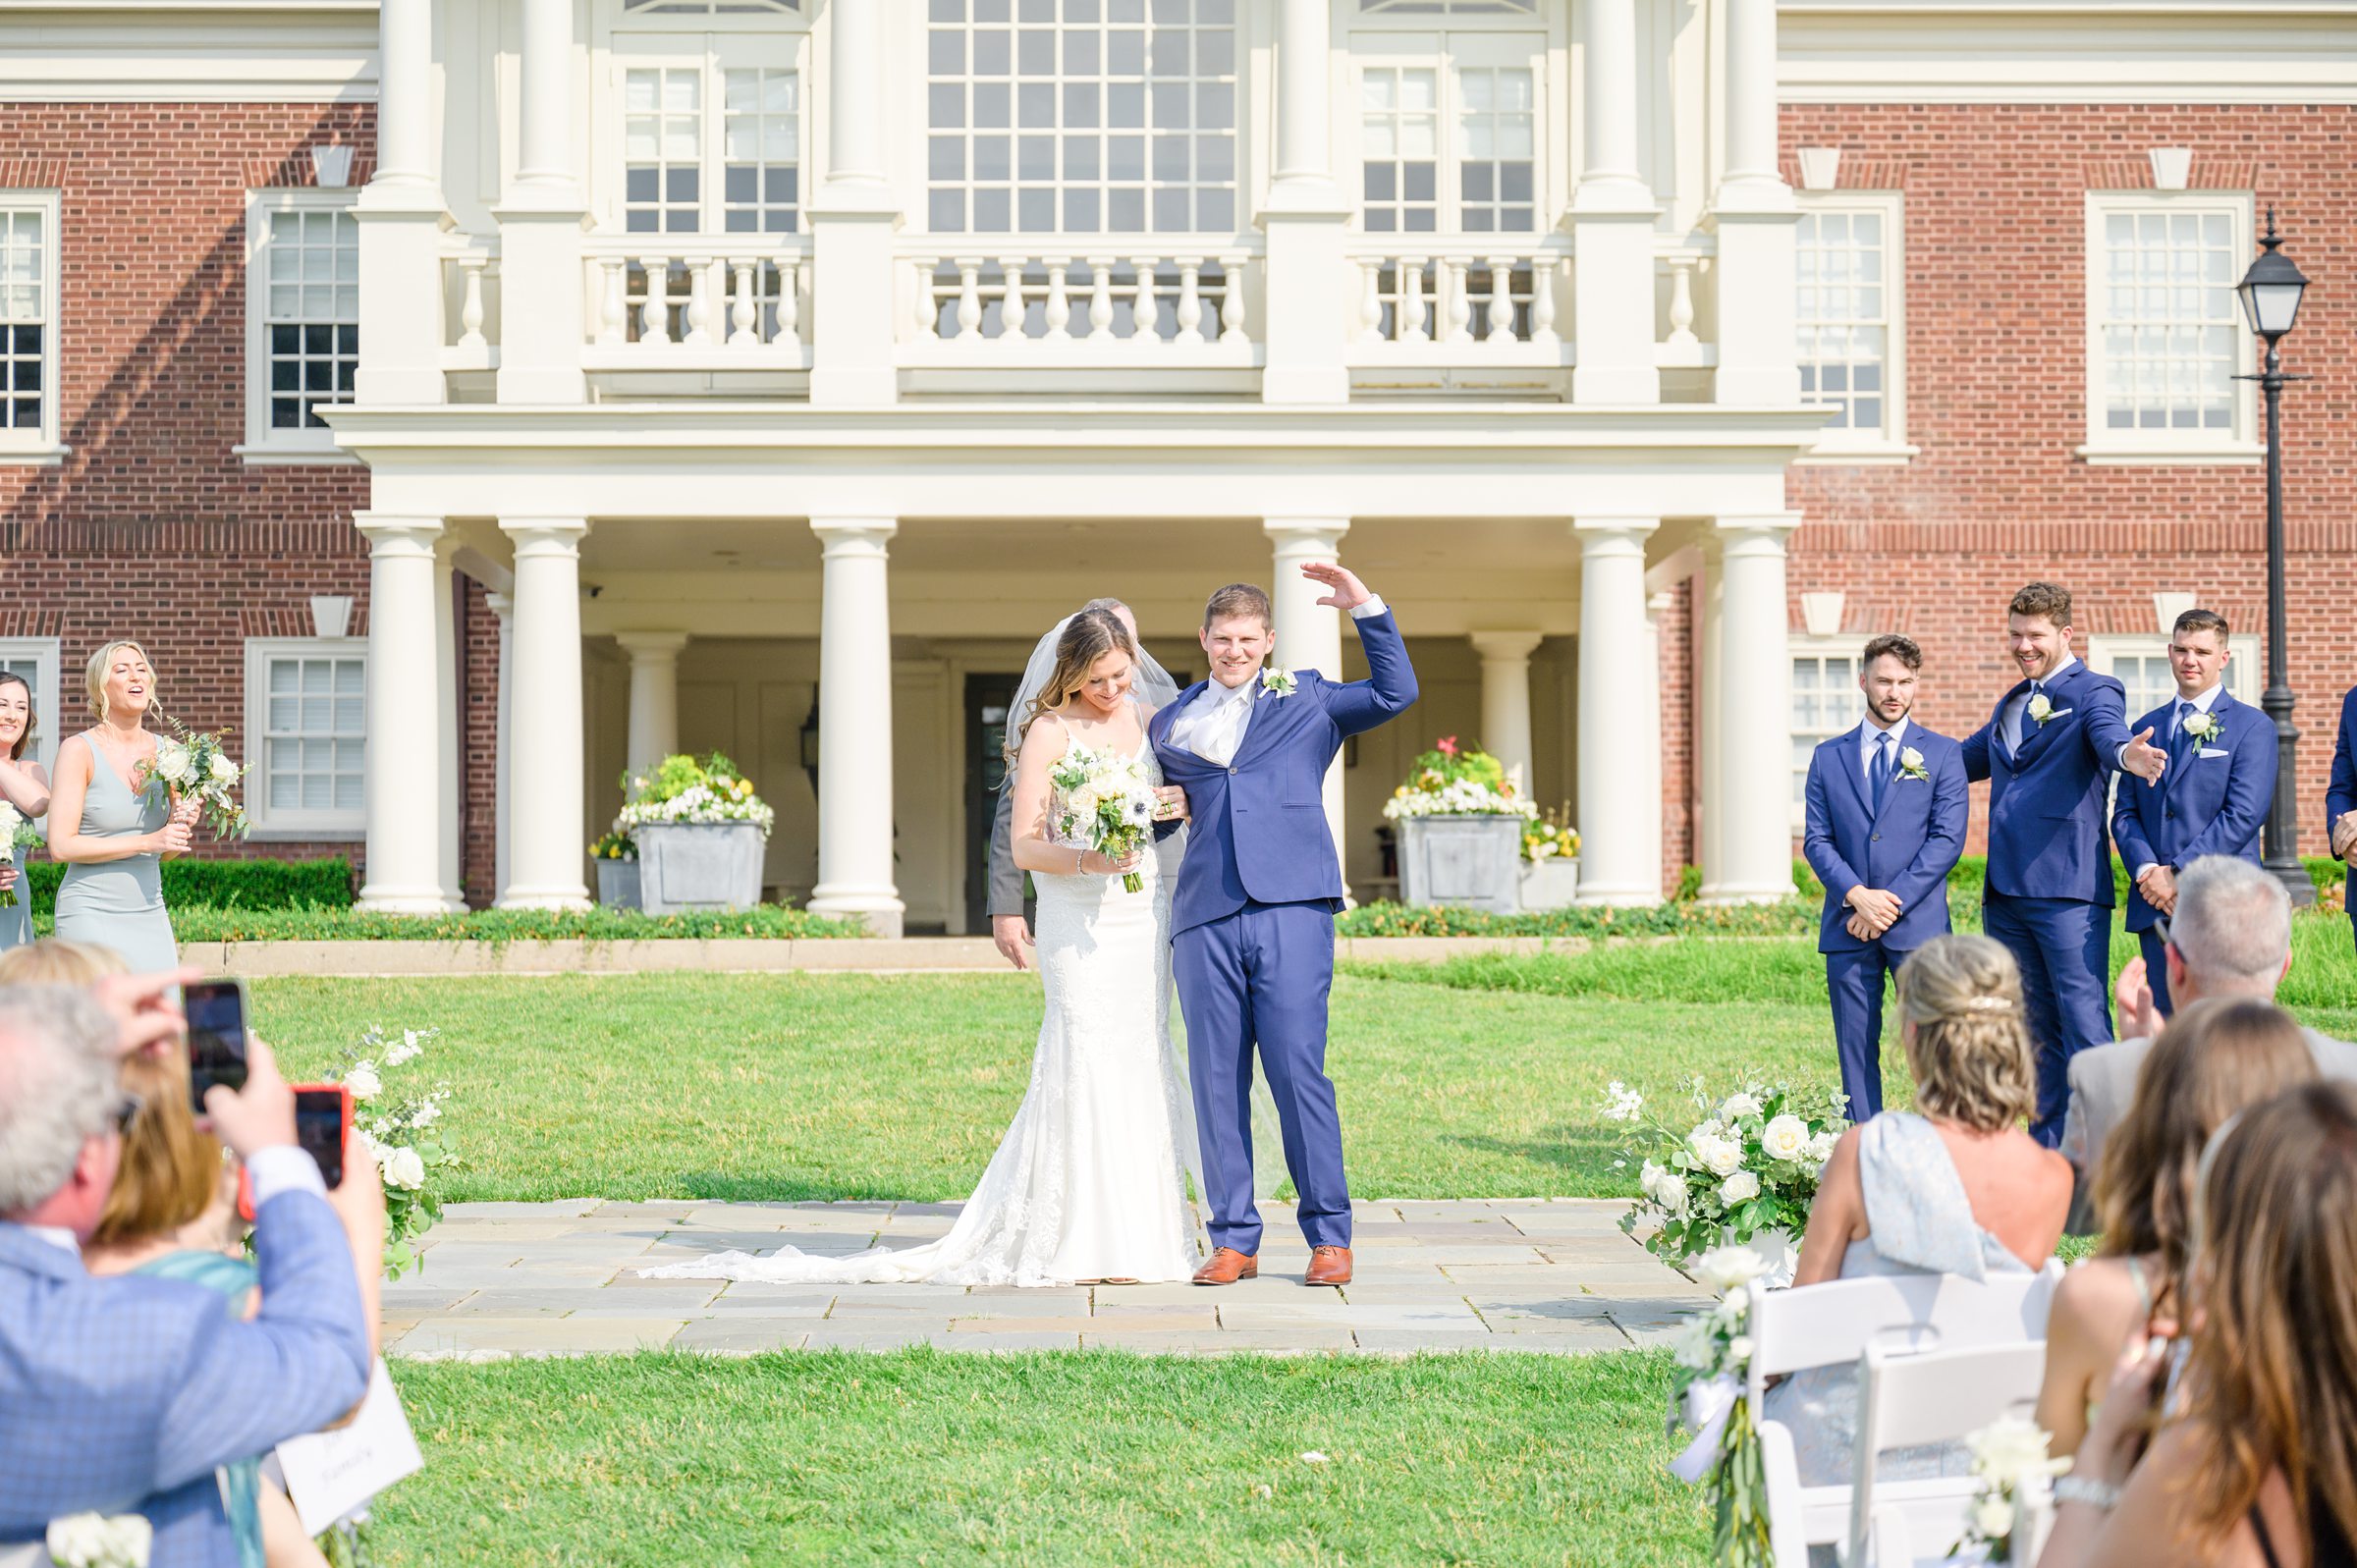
1970 1046
55 961
1087 638
94 676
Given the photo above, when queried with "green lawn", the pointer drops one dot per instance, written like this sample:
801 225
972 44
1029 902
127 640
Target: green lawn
1086 1458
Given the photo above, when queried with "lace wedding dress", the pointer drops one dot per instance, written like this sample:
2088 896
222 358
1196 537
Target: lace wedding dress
1091 1181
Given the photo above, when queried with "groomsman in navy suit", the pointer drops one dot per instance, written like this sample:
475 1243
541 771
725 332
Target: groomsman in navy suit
2341 797
1887 810
2049 751
2211 801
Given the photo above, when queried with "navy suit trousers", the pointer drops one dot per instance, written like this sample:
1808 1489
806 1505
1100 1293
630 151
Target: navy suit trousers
1856 978
2063 946
2156 969
1260 978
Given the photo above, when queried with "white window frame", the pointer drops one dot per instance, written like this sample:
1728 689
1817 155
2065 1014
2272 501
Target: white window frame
1888 445
1524 46
714 51
2243 676
41 448
43 654
1799 646
294 824
2105 446
265 443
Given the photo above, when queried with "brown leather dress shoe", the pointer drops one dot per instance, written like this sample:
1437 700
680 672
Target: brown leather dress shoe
1227 1267
1328 1266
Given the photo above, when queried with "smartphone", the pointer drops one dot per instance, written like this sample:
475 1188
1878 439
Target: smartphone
216 1010
322 1122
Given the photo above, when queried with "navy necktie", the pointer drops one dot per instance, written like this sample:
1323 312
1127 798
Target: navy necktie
2184 737
1878 776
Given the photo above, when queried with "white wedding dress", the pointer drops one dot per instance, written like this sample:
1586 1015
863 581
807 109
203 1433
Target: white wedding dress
1091 1181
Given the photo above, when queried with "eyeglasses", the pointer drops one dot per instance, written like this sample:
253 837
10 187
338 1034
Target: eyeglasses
127 1113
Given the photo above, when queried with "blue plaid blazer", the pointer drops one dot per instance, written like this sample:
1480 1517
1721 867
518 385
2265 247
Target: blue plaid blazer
123 1394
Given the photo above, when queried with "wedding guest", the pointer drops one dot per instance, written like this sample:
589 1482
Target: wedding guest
188 1387
2216 1059
2341 797
2222 780
2254 1460
112 831
2232 938
26 786
1958 1188
2049 751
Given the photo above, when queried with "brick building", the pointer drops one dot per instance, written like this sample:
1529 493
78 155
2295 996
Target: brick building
465 399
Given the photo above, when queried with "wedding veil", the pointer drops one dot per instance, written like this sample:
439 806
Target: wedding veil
1153 684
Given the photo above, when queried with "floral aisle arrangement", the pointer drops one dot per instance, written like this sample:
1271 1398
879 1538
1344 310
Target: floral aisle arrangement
616 842
93 1540
1106 800
690 789
2010 1467
1452 781
1747 1165
1707 1397
403 1129
15 834
1551 836
195 765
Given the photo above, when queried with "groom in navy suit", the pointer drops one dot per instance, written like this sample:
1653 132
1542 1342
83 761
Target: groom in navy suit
1887 807
2213 801
1252 916
2049 752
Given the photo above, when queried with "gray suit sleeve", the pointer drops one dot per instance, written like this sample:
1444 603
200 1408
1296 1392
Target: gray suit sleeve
1005 877
2085 1124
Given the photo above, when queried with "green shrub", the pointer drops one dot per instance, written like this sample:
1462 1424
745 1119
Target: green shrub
229 884
1664 920
204 924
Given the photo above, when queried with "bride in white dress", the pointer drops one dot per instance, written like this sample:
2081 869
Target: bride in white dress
1090 1183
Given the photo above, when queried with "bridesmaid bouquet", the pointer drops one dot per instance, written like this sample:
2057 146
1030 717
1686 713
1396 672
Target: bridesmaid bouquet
14 834
1108 799
194 764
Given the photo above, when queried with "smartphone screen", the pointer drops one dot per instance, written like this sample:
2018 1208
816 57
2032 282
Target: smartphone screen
216 1010
320 1130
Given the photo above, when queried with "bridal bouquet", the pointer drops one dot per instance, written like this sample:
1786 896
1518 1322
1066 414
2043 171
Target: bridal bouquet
1106 799
1747 1165
14 834
194 764
1707 1398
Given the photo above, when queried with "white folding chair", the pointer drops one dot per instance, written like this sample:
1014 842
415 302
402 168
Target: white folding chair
1932 1396
1833 1324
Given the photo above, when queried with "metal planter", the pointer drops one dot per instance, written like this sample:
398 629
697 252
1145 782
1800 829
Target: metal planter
618 884
687 866
1462 862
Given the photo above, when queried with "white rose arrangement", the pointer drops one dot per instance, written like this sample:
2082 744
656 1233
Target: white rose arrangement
1454 781
93 1540
1712 1352
2010 1467
14 834
398 1131
688 790
1749 1164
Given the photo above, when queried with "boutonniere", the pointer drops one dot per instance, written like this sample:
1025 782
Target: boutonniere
1276 682
2041 709
1911 764
2202 727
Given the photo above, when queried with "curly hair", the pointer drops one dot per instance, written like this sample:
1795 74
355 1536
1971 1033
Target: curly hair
2045 600
1970 1046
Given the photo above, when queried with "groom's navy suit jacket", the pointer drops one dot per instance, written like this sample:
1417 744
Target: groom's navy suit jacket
2046 799
1258 833
1907 849
2211 801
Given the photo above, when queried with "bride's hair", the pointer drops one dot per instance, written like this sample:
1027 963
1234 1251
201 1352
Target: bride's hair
1087 638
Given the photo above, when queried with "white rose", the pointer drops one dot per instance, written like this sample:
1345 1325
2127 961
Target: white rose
1738 1350
1786 1138
1720 1157
1821 1147
223 770
404 1169
363 1082
1672 1194
1738 1107
1742 1187
2041 709
1910 759
2009 1450
1725 1267
1992 1516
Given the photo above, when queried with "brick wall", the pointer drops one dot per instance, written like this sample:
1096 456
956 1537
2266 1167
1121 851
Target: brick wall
153 528
1995 335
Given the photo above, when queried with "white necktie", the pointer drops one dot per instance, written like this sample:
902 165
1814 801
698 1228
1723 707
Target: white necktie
1215 724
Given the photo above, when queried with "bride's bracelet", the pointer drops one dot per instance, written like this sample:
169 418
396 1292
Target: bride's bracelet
1079 860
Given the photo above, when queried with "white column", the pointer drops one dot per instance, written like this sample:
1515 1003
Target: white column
1506 699
404 810
405 87
1646 737
1619 703
1755 710
400 221
1306 305
1710 757
1756 218
541 306
853 215
855 726
654 732
544 720
1304 114
504 607
544 96
1612 222
855 101
1309 635
448 775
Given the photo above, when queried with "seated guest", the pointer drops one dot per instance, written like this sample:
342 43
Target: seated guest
1959 1188
2254 1461
128 1393
2217 1057
2232 938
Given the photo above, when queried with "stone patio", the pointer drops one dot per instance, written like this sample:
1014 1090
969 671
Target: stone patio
560 1279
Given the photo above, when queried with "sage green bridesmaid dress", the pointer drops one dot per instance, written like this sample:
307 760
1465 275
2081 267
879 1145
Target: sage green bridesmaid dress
119 904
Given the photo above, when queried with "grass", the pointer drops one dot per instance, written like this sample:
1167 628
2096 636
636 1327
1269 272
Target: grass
921 1457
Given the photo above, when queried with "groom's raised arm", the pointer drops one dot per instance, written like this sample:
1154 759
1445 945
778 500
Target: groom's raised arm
1391 684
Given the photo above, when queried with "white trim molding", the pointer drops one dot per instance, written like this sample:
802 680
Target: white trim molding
41 445
1886 444
347 824
188 51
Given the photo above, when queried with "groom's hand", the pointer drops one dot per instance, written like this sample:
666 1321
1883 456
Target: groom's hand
1349 593
2144 759
1013 939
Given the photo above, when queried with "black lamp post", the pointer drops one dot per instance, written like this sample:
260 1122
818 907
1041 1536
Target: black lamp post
2270 297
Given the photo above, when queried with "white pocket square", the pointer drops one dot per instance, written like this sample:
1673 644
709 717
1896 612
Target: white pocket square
2212 751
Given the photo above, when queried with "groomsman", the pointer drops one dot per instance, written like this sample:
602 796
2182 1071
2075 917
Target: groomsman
2341 797
2211 801
2049 751
1887 810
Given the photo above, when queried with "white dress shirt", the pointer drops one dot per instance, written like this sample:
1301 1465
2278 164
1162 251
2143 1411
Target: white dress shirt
2017 712
1867 731
2201 703
1213 726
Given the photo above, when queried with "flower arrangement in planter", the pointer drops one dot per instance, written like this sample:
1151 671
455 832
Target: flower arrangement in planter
1743 1173
617 855
699 830
1550 860
700 791
1551 838
1454 781
1460 821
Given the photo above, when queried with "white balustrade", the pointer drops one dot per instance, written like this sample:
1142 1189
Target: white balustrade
1497 302
470 279
1084 304
724 298
1678 263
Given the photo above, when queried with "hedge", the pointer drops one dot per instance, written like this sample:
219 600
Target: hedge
205 923
229 884
1971 875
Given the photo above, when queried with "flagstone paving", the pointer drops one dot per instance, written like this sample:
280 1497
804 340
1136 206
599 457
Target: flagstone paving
561 1278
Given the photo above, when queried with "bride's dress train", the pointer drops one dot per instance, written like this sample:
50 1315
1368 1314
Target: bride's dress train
1091 1181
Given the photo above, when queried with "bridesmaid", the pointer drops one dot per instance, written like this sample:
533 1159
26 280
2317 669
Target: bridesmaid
112 839
27 788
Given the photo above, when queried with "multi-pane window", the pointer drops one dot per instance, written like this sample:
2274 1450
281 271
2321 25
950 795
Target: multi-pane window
2166 337
761 150
709 8
663 150
1447 138
306 714
1845 314
1081 116
28 321
1399 148
1452 8
310 313
1826 702
1498 118
711 148
2141 665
